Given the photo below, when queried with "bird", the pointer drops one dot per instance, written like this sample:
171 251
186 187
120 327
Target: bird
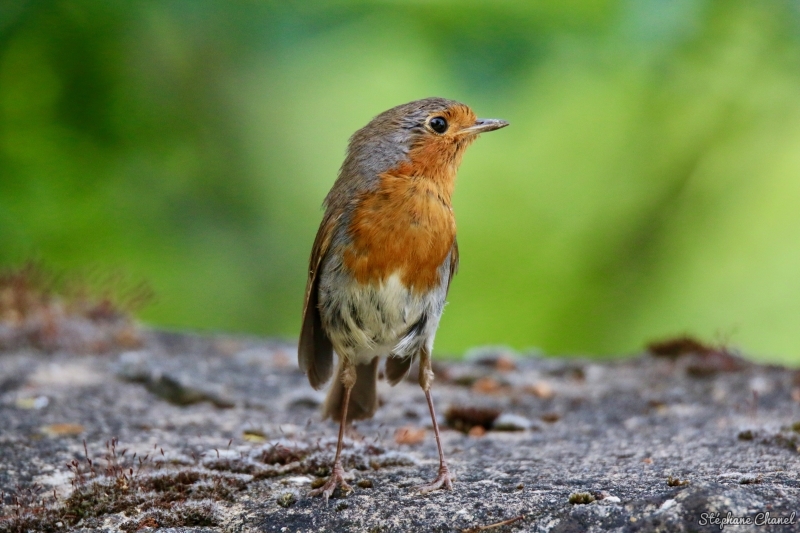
382 262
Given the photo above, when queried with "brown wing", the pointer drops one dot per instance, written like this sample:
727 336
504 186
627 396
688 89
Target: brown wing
315 352
453 262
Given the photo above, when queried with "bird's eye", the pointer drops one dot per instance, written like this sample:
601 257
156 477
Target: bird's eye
438 124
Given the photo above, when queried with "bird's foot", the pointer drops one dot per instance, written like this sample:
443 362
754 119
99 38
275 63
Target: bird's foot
443 481
336 480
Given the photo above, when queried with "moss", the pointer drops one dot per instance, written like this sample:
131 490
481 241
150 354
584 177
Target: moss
282 455
178 482
581 498
747 434
162 500
676 482
176 498
188 515
100 498
287 499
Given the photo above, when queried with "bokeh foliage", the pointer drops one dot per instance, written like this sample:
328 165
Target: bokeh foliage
649 183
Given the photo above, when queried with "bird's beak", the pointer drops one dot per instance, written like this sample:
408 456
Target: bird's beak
483 125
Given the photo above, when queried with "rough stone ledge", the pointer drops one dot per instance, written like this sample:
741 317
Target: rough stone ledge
209 434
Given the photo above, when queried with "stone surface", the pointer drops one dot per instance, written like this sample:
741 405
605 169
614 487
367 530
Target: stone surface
227 437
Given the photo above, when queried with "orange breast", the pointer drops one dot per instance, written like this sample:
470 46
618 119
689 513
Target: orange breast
406 226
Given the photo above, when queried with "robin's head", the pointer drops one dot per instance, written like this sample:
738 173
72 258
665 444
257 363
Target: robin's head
426 136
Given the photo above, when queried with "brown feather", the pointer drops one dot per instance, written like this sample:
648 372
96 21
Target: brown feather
453 262
397 369
315 352
363 396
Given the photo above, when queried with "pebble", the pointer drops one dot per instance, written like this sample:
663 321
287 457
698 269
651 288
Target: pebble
299 480
511 422
477 431
409 435
305 399
748 479
540 389
60 430
39 402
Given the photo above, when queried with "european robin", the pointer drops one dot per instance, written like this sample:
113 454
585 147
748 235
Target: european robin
383 259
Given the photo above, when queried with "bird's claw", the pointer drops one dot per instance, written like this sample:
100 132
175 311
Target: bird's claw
443 481
336 480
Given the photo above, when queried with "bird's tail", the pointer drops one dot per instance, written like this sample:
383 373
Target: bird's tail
363 397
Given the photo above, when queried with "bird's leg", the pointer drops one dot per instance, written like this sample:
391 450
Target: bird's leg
348 377
444 479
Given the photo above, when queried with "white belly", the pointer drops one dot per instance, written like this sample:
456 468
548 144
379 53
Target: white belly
380 319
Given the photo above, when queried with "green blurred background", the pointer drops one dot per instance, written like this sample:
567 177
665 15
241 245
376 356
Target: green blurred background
649 184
